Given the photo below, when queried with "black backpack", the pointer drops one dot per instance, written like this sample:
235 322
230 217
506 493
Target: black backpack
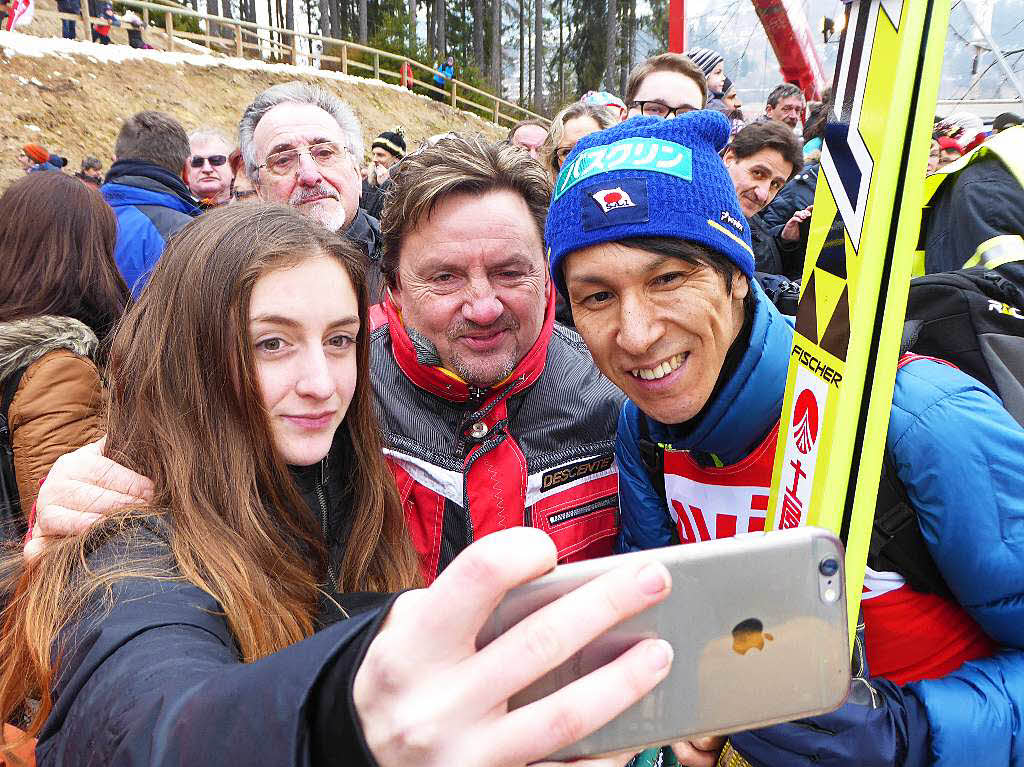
12 522
974 319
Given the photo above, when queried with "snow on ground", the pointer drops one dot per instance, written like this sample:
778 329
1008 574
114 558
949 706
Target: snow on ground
18 44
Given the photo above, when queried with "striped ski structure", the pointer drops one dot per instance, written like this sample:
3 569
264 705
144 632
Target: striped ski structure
863 234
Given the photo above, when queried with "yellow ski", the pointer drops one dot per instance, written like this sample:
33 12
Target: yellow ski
863 234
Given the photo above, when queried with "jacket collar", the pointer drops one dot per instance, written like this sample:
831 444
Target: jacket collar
447 384
749 404
146 175
364 231
24 341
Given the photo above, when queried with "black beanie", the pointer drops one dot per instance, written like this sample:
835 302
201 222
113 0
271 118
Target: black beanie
391 141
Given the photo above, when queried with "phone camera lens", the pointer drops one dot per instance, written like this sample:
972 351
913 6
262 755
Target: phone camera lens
828 567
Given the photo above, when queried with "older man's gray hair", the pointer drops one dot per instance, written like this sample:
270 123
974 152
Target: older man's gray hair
208 134
784 91
296 93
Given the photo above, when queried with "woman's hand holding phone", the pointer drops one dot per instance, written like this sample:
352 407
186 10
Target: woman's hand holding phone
426 695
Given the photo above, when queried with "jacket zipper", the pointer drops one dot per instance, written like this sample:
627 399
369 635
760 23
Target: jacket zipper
323 519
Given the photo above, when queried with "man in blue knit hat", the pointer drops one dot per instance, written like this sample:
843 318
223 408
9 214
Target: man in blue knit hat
649 245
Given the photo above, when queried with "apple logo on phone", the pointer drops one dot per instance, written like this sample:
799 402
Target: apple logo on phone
749 634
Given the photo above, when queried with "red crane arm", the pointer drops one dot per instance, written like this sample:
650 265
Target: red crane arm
790 35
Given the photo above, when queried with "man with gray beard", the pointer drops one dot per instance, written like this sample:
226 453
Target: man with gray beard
301 146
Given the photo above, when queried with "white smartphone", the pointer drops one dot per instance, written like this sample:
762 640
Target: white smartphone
757 623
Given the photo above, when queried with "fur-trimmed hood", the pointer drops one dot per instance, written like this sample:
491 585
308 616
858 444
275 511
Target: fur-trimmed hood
22 342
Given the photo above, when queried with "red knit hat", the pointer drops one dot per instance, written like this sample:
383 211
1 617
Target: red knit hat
36 153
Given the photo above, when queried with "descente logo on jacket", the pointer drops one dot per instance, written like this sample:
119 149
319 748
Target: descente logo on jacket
576 471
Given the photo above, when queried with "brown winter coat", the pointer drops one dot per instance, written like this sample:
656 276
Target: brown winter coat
58 405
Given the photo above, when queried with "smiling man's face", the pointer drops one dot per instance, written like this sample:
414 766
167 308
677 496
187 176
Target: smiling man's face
472 279
757 178
658 327
328 195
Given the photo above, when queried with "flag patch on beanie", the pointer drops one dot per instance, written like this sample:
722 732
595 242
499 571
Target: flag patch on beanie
624 203
611 199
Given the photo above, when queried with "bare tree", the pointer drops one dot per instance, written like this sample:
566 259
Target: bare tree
289 23
412 27
431 37
496 52
325 18
629 45
538 55
335 19
478 34
308 5
561 51
522 52
611 45
213 9
441 19
362 21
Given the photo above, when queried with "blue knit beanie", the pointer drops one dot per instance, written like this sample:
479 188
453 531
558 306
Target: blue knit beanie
649 178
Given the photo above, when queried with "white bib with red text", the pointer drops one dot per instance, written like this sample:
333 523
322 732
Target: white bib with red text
719 502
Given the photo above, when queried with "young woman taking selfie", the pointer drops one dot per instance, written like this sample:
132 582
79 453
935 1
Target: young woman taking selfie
221 621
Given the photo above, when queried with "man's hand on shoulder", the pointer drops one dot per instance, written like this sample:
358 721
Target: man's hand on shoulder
81 487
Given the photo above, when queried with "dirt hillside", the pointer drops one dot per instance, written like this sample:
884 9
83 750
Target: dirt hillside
70 96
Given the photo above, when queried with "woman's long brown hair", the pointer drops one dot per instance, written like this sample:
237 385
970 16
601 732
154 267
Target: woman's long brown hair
57 239
186 411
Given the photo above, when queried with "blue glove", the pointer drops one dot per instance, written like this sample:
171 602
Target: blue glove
880 725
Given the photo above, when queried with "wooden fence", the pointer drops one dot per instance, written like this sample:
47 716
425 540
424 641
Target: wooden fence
237 38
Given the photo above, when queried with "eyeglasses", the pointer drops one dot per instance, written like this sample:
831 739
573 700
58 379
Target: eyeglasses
327 155
243 194
659 109
561 154
216 160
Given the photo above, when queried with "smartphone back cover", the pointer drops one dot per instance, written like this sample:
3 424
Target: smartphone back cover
755 642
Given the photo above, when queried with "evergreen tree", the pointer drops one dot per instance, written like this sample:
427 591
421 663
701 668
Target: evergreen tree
588 41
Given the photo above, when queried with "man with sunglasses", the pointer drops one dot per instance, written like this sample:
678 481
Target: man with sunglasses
301 146
207 170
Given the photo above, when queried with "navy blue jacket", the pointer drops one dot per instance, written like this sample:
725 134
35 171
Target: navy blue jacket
157 681
151 204
983 201
960 456
153 677
796 195
785 258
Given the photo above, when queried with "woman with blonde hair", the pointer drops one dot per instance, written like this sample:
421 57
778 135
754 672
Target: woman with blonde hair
221 621
569 126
